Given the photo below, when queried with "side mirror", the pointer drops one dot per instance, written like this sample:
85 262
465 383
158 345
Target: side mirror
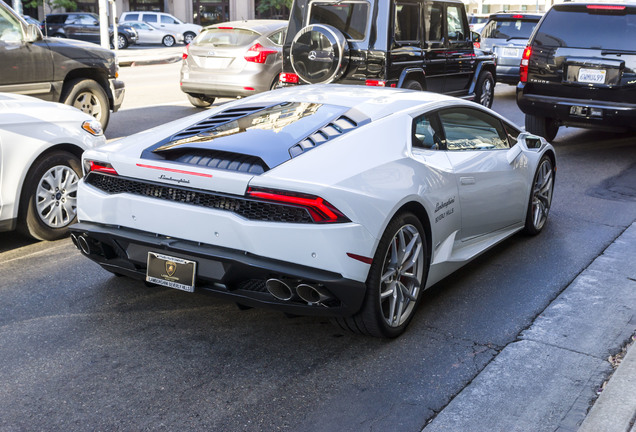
475 37
525 142
33 33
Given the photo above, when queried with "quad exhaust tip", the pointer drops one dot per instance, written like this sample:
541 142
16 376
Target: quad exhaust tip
288 290
279 289
83 245
313 294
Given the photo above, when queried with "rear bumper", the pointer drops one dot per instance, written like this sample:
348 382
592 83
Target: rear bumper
508 74
613 115
232 274
117 89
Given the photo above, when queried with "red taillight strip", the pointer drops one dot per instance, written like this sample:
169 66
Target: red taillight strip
319 209
360 258
175 170
102 167
606 7
525 61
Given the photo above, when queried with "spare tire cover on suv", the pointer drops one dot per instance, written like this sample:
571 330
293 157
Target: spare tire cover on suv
319 54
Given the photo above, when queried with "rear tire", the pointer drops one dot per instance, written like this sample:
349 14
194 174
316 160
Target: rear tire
122 42
395 280
200 102
48 204
542 126
485 89
413 85
188 37
168 41
88 96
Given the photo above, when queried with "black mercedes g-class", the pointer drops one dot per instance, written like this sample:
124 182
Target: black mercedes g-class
415 44
76 73
579 69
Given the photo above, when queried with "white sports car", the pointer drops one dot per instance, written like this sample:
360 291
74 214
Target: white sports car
329 200
40 148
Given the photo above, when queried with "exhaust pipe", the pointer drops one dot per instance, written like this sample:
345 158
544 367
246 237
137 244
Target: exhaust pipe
313 294
83 245
74 240
279 289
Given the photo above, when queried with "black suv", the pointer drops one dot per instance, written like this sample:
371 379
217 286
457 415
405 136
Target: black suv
415 44
85 26
76 73
579 69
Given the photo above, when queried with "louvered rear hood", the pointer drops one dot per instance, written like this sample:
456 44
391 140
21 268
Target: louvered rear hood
255 138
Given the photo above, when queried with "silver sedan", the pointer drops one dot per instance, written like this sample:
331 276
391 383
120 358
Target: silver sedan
151 35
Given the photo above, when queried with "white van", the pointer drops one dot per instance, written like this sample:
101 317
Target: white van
164 21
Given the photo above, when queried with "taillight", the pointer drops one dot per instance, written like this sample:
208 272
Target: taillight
523 67
258 53
477 45
517 16
289 78
186 52
605 7
319 209
375 83
101 167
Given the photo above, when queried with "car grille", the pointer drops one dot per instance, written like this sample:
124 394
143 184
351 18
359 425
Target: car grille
249 209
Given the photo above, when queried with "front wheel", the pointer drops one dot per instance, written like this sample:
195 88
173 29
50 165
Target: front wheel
542 126
188 37
168 41
49 198
485 89
88 96
395 280
540 197
122 42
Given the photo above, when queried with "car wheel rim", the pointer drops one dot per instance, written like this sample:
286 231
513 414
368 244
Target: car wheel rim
188 38
121 42
169 41
486 93
88 103
542 194
56 196
401 276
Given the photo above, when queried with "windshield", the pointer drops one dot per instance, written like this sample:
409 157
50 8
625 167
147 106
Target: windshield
575 29
509 29
350 18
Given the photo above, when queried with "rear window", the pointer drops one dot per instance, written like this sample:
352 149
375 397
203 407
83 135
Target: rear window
509 28
581 27
226 37
350 18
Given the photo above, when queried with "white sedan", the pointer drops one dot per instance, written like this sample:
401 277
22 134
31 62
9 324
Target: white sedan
40 148
147 34
339 201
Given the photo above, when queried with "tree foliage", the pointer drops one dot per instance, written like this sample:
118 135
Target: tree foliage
265 5
68 5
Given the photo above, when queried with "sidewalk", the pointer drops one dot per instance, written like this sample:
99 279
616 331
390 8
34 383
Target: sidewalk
547 379
137 55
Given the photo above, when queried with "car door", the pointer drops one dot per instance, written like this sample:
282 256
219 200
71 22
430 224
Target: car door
460 56
493 193
435 49
406 44
25 67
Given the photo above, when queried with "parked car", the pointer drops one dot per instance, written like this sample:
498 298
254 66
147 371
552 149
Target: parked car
233 59
41 144
85 26
419 45
330 200
31 20
61 70
506 35
579 69
164 21
476 22
147 34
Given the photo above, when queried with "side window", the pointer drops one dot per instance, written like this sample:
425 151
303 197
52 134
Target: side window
132 17
277 37
434 20
407 22
427 133
455 23
150 18
10 29
472 129
167 20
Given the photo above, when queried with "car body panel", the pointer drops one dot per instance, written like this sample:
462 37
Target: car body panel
148 34
369 173
29 128
161 21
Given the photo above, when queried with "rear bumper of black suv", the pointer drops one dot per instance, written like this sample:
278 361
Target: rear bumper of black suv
586 113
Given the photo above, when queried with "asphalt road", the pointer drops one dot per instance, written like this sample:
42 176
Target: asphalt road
82 350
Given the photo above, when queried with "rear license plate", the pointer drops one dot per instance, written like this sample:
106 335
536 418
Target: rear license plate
215 62
592 76
510 52
170 271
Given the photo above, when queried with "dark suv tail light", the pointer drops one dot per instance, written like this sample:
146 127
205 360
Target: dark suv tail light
258 53
523 67
290 78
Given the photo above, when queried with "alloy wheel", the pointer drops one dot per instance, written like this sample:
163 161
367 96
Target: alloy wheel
542 194
56 196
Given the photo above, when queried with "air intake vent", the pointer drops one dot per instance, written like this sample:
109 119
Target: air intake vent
214 121
220 160
341 125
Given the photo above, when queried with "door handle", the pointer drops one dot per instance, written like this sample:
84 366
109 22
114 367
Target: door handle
467 180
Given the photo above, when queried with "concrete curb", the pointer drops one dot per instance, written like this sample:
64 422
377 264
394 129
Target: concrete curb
615 409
